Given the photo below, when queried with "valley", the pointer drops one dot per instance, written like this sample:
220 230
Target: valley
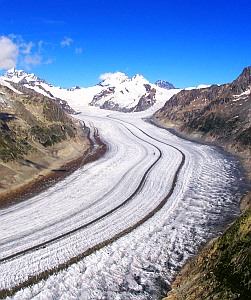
121 226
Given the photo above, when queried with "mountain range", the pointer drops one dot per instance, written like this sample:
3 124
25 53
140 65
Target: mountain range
116 92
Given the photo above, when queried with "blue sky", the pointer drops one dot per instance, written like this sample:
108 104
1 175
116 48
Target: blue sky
72 43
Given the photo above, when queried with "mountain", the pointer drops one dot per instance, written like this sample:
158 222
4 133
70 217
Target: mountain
127 94
219 113
36 135
164 84
20 76
115 92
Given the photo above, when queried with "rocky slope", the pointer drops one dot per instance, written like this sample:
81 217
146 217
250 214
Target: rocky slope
222 116
115 92
34 136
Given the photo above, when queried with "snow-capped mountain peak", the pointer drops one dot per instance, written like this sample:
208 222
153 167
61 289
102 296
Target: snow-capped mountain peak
20 76
11 73
139 79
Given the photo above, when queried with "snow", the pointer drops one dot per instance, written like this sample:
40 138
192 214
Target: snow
142 166
200 86
240 96
18 75
8 85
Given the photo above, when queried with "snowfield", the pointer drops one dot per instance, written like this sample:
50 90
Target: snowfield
161 195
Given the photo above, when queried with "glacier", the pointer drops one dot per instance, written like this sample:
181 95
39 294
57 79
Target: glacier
150 202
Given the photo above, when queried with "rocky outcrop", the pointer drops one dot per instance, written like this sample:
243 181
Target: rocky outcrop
146 101
103 94
164 84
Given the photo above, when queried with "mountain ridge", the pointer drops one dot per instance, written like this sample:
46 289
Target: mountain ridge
115 91
218 113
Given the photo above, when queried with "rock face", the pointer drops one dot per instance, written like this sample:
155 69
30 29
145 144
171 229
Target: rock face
146 101
164 84
216 113
26 119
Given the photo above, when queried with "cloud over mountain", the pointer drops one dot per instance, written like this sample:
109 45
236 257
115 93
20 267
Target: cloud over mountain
104 76
8 53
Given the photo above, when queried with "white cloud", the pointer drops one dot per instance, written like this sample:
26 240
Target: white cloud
66 41
27 47
104 76
15 51
49 61
34 60
40 45
78 50
8 53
